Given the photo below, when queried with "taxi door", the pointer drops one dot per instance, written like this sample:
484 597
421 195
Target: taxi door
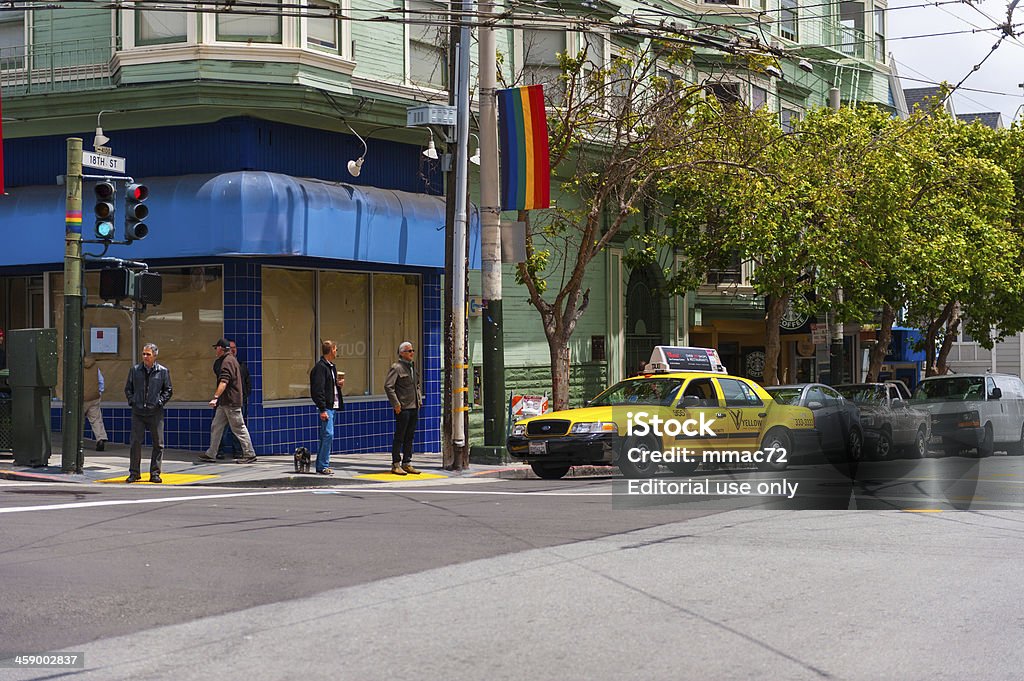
742 419
699 400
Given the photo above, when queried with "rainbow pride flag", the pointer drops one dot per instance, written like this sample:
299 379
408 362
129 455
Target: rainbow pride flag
523 136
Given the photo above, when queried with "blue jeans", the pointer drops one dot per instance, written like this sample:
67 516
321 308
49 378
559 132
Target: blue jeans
323 455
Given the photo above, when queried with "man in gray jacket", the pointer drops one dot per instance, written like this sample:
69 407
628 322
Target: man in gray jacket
402 386
147 390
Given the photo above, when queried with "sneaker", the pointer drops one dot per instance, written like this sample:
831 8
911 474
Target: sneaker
203 458
133 478
326 471
101 445
246 459
410 470
155 477
397 470
221 457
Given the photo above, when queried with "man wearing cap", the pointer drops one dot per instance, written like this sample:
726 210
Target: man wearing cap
227 401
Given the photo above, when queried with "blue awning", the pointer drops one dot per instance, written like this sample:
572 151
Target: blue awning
249 213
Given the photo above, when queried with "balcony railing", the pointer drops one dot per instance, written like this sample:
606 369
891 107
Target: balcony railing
68 66
847 40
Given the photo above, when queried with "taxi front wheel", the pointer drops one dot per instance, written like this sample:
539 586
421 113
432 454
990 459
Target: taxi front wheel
776 444
549 472
635 460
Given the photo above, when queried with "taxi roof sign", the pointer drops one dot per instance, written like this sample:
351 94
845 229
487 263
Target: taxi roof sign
670 358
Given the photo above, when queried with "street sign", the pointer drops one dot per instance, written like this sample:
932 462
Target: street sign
819 333
92 159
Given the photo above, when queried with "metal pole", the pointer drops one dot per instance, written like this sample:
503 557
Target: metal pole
72 457
459 264
490 237
838 360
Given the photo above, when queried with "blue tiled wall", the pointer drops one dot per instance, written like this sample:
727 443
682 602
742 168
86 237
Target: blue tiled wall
364 426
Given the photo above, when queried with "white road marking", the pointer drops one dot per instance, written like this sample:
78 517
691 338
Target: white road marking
375 489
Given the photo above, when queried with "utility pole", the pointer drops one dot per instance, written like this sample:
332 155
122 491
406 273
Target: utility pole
490 237
459 271
72 458
837 364
448 456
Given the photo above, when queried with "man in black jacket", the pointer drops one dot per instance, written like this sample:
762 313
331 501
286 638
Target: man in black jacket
325 387
147 390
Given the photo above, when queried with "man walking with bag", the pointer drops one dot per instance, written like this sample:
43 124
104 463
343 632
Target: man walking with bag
92 395
227 401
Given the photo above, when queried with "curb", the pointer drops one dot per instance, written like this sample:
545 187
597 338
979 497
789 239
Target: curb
25 476
526 473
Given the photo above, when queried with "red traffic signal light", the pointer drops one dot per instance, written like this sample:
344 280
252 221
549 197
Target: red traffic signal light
138 192
136 212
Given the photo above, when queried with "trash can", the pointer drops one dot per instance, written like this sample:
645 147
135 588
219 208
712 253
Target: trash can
32 359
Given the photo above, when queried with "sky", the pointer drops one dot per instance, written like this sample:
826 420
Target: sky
951 57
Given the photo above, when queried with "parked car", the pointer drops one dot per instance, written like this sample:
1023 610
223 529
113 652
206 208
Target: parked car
981 412
837 428
890 423
746 422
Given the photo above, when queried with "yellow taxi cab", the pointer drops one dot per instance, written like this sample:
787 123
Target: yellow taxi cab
682 411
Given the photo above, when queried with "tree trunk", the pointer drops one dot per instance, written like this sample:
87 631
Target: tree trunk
773 315
881 349
952 326
559 351
931 365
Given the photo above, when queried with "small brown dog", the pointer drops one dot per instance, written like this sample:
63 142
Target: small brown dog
302 460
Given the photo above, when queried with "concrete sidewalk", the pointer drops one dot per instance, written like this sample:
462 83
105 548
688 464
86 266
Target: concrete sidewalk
182 467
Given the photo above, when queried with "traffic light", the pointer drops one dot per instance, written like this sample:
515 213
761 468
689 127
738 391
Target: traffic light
136 211
104 210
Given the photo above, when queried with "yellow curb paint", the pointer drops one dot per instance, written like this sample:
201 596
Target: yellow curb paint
168 479
922 510
391 477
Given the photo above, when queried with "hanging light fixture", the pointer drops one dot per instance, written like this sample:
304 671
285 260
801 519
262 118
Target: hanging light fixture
431 151
100 139
355 167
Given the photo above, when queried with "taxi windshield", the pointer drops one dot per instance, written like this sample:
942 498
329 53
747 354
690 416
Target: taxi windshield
649 391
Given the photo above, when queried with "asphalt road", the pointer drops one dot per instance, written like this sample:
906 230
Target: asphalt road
518 580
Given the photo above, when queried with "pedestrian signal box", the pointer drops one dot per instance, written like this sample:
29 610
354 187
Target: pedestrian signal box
118 283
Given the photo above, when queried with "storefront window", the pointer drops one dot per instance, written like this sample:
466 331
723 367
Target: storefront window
184 326
344 319
107 337
290 346
367 315
396 318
